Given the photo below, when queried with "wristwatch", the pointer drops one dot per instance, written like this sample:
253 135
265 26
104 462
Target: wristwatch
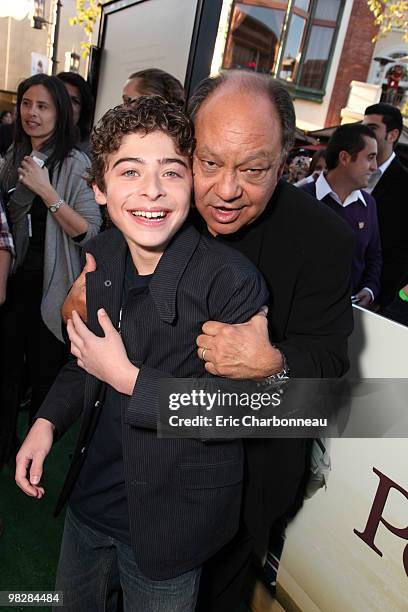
284 374
55 207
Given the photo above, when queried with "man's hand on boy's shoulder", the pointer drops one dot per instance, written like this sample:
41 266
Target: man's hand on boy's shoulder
30 458
241 351
76 298
106 357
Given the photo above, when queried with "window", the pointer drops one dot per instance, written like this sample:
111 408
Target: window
317 54
254 35
291 40
293 46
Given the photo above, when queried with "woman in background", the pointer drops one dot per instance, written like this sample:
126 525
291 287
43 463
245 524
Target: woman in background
52 213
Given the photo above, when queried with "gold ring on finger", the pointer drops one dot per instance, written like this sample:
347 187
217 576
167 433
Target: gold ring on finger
203 354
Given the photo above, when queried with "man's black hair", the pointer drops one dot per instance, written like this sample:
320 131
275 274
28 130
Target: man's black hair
156 82
391 116
350 138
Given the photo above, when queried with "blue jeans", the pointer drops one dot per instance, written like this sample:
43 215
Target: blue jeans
93 567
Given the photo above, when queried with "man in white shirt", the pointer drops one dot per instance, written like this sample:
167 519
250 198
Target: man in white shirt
351 161
389 186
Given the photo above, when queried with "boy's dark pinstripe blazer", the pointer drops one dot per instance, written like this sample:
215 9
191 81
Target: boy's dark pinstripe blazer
184 496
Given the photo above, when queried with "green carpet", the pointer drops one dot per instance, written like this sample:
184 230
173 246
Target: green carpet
29 547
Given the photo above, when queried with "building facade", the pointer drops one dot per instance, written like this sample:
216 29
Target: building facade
26 45
318 48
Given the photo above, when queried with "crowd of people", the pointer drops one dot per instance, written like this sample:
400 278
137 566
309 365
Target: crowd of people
206 224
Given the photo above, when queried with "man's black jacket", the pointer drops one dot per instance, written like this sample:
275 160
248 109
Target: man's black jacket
304 251
184 496
390 194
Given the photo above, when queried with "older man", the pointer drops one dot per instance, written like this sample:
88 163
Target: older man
244 128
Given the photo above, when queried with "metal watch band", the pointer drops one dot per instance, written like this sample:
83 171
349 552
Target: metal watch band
55 207
284 374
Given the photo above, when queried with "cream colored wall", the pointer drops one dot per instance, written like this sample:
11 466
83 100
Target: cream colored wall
18 39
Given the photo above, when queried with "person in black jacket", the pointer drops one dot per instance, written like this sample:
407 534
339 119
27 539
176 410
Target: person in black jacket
245 126
151 510
389 186
244 129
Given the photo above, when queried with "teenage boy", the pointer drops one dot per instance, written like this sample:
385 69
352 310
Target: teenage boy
150 510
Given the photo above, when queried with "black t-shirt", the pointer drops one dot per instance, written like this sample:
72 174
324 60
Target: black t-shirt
99 496
34 259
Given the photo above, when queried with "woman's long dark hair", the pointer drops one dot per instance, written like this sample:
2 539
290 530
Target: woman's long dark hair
62 140
87 104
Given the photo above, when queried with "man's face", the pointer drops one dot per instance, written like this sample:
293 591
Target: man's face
385 140
147 190
130 91
360 170
237 161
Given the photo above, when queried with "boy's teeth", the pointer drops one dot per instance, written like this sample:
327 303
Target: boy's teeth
148 214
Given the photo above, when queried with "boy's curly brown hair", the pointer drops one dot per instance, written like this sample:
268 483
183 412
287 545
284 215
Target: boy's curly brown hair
147 114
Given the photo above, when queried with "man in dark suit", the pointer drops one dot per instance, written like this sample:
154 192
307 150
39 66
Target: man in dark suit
244 128
389 186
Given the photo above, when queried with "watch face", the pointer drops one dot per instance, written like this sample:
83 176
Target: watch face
55 207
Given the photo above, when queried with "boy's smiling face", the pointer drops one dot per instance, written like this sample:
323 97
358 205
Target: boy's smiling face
148 187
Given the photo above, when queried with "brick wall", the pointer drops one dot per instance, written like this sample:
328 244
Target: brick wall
355 58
